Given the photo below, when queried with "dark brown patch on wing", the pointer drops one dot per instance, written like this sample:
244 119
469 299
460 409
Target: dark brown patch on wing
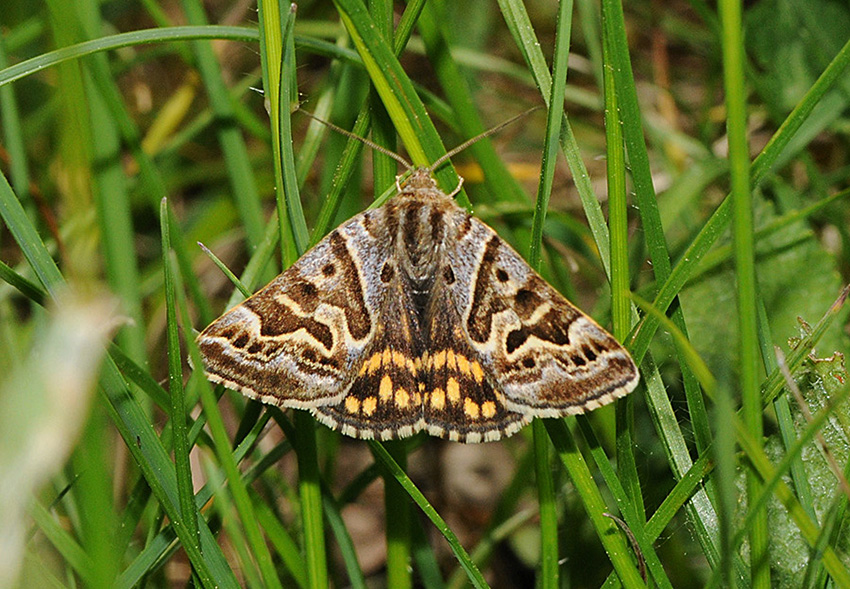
448 275
484 305
515 339
350 296
391 210
278 319
527 299
554 326
305 294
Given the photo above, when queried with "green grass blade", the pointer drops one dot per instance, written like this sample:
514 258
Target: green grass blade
279 76
807 526
112 42
519 24
110 192
22 284
631 510
717 223
226 271
242 183
386 460
147 450
403 105
742 233
13 137
66 545
345 544
645 197
612 540
28 240
180 441
286 96
498 179
354 147
282 542
236 484
545 486
618 236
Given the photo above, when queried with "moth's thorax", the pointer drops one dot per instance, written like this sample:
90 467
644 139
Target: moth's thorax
420 221
421 184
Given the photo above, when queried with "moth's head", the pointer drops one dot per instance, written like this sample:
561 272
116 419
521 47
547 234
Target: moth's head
419 179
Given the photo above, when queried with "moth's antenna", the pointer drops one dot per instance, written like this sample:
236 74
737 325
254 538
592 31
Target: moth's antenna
477 138
407 165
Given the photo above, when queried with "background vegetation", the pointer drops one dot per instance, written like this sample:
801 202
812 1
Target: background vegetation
700 209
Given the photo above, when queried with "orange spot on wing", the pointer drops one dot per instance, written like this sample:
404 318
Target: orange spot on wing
471 408
437 398
477 372
402 398
462 364
488 409
453 390
385 390
352 404
369 405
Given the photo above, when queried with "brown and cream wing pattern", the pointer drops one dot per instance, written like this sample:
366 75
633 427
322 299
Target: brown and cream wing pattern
300 340
547 357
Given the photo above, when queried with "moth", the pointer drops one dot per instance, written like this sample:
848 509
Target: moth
416 316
